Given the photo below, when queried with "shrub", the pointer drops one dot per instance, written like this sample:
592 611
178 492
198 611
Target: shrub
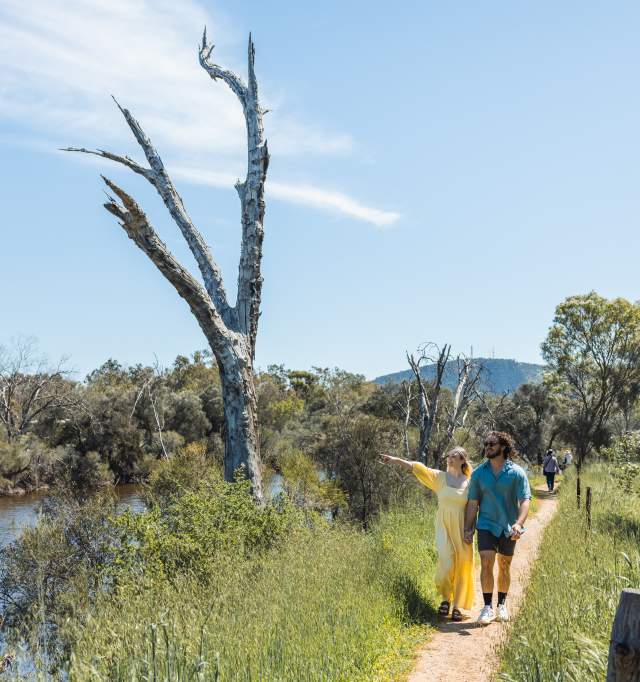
323 603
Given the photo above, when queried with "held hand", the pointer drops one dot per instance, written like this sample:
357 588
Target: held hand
468 537
516 531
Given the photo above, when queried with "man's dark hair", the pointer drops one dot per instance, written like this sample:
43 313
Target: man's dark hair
506 441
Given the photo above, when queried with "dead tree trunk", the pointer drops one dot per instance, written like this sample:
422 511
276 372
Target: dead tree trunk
468 378
428 399
406 408
230 331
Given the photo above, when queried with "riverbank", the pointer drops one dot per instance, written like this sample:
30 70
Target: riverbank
20 491
244 591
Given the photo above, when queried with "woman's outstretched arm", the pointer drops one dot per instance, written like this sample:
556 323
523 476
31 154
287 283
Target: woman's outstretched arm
404 463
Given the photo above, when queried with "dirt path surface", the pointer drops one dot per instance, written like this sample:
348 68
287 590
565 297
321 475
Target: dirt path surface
465 652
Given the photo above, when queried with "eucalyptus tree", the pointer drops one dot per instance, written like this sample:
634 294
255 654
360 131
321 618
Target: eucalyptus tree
593 350
230 330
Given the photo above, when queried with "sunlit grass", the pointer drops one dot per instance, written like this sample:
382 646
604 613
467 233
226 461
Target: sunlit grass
562 631
327 604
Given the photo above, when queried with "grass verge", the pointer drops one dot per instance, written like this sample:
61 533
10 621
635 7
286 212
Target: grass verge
562 631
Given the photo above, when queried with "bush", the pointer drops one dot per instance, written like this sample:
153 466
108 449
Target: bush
323 603
83 474
197 529
56 569
189 468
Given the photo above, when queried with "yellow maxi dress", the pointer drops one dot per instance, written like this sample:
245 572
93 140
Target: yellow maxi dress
454 571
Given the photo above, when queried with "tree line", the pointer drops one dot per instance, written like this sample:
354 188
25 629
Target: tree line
321 430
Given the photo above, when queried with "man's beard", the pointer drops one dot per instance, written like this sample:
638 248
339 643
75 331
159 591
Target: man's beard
492 455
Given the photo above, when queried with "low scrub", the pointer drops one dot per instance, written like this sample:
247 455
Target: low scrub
206 585
323 603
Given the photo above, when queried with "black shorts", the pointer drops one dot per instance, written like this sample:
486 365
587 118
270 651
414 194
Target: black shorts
488 541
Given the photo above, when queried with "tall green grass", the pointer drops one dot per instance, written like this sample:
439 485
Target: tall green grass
562 631
329 603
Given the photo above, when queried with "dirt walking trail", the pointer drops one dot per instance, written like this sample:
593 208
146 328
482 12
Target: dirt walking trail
466 652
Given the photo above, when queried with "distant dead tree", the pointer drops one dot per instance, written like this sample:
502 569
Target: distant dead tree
230 331
148 388
469 375
30 389
428 392
437 434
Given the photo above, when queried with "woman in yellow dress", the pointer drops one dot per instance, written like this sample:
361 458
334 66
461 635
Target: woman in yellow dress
454 572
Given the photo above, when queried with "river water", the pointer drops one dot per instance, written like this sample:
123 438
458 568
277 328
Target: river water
17 513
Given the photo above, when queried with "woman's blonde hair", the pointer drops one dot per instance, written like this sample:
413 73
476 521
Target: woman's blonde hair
466 467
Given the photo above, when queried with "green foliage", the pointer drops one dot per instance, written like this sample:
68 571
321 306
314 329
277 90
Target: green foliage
55 570
280 412
304 485
351 455
562 632
196 529
189 468
593 350
324 603
624 455
83 474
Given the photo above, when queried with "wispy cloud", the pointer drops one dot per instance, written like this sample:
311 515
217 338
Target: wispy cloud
297 194
59 61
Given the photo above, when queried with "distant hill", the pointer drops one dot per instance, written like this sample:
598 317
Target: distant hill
499 375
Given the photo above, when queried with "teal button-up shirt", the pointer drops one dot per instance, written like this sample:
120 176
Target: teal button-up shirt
499 496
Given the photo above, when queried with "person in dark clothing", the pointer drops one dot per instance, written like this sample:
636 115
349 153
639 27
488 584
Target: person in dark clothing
550 468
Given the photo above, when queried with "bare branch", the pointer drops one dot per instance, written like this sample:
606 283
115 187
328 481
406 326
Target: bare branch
137 226
159 178
428 401
29 389
468 379
231 79
124 160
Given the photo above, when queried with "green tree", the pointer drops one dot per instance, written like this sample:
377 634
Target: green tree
351 455
593 350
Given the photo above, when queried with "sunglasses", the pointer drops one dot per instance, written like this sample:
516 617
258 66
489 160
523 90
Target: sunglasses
489 443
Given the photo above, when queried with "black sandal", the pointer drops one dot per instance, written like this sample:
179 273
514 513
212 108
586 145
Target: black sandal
456 616
443 609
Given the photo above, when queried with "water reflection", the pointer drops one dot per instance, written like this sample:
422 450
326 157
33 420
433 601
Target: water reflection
18 513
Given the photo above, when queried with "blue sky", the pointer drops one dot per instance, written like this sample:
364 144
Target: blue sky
440 171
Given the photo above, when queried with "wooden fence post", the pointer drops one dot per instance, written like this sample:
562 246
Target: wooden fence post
588 507
578 489
624 649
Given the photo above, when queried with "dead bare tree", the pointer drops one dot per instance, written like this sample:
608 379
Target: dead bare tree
230 331
428 395
434 436
405 407
30 389
469 375
493 410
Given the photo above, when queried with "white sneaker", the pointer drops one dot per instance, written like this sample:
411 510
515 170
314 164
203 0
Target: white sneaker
503 614
486 615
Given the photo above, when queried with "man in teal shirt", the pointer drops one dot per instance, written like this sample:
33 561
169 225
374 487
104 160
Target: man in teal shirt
499 489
